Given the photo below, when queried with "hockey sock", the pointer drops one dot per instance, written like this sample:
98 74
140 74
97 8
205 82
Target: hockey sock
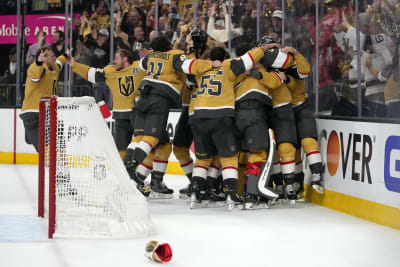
143 171
183 156
310 147
258 156
287 152
144 168
144 148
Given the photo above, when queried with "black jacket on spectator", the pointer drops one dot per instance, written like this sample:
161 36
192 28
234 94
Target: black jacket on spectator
99 56
129 29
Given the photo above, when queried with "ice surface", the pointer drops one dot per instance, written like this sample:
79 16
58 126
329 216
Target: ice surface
304 235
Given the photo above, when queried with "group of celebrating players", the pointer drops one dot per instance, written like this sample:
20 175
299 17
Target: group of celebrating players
228 106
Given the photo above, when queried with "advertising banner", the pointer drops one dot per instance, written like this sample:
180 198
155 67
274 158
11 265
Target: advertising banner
49 23
362 159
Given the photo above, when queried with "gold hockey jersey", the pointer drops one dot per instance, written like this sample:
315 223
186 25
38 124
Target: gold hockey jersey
297 73
252 88
40 82
123 83
161 74
215 96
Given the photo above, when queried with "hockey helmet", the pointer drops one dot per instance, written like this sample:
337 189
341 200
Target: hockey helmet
266 40
199 38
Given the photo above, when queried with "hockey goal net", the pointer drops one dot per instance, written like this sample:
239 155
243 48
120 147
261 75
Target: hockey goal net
90 194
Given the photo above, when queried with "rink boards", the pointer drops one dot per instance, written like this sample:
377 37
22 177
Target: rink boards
362 174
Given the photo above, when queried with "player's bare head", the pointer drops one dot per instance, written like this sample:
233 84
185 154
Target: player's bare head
218 53
128 54
243 48
160 44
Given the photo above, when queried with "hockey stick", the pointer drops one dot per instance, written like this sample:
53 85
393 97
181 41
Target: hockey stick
267 168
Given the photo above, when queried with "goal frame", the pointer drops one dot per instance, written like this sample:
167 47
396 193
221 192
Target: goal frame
52 148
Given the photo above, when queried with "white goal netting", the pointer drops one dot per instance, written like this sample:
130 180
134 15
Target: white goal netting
94 197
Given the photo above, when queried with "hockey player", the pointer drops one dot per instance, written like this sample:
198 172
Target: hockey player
213 118
159 90
183 137
282 118
252 104
123 79
41 81
305 122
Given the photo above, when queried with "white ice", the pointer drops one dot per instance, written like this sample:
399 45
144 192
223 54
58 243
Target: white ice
303 235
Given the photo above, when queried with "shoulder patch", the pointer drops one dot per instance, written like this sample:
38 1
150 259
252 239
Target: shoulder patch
183 57
135 71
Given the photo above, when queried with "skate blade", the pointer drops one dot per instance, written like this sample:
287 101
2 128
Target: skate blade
291 202
253 206
230 204
212 204
155 195
194 203
318 188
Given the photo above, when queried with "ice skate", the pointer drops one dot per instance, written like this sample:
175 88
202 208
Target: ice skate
290 194
213 199
299 185
316 183
253 202
131 169
197 195
141 185
232 199
184 193
158 188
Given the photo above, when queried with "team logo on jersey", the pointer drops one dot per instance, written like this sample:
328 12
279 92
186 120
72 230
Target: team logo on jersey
183 57
126 85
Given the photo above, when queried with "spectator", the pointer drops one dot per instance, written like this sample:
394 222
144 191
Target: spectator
58 43
139 38
10 74
131 19
98 48
58 49
33 48
218 30
100 17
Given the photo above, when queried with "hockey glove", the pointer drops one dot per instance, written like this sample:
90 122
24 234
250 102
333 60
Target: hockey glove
158 252
256 74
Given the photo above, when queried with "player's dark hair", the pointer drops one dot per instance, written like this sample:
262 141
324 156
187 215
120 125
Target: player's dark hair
243 48
130 55
160 44
218 53
62 35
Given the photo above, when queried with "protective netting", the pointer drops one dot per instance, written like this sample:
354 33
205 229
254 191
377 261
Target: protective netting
95 198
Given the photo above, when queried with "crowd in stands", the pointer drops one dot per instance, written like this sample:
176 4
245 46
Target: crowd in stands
338 76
